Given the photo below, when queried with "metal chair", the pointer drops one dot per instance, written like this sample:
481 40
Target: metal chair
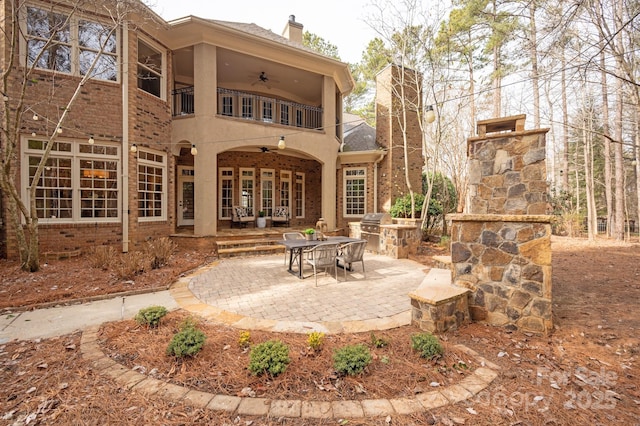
291 236
351 252
322 256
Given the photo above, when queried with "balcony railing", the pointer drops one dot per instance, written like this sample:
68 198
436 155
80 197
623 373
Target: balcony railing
232 103
248 106
183 101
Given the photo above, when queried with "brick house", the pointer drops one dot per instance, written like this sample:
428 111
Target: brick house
183 120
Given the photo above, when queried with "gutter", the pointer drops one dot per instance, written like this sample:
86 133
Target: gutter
125 138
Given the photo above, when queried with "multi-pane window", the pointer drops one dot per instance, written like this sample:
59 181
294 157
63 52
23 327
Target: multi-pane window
152 173
299 118
226 193
60 42
227 105
267 111
247 188
299 195
266 191
284 114
247 107
354 192
98 47
150 69
285 188
79 182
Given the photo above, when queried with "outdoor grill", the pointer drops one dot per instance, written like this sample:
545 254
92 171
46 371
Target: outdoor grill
370 229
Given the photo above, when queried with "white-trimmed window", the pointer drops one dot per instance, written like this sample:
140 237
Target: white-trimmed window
285 188
226 193
247 107
267 182
355 193
284 114
74 44
152 185
80 182
267 111
247 190
300 195
151 69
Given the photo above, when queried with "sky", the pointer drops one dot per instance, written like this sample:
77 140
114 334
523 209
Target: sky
341 23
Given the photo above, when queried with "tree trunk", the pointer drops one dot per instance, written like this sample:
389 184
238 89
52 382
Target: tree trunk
534 64
607 142
565 123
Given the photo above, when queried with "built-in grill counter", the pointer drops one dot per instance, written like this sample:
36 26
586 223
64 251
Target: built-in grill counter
370 229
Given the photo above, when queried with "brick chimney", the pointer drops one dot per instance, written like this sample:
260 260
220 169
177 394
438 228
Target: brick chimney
293 30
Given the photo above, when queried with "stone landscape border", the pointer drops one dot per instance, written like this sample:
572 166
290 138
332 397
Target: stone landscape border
134 381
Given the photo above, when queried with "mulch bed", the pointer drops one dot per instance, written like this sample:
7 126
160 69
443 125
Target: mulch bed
221 367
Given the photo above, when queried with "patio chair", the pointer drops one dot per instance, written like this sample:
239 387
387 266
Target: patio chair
322 256
280 216
351 252
291 236
240 217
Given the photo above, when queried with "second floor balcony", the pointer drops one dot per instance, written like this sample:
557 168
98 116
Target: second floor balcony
249 106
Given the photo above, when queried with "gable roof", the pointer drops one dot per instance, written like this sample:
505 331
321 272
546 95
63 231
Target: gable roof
360 137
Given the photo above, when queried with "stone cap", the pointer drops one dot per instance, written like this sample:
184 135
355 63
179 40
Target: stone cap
526 218
514 123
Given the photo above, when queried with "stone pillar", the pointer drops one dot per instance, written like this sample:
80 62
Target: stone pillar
501 247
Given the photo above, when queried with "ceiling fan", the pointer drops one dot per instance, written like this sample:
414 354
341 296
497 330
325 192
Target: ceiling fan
264 79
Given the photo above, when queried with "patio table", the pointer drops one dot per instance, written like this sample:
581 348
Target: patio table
296 247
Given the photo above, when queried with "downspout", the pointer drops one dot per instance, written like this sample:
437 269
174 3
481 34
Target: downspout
125 137
375 182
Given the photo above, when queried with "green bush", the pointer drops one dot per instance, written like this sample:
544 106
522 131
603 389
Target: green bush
351 359
427 344
269 357
151 316
187 342
402 206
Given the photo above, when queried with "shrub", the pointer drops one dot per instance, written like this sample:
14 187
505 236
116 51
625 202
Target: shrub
151 316
402 206
427 344
269 357
101 257
351 359
378 342
245 339
131 264
160 251
187 342
315 340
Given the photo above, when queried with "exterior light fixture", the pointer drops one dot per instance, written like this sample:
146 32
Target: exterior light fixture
134 148
35 117
33 134
429 115
281 144
91 140
194 150
59 130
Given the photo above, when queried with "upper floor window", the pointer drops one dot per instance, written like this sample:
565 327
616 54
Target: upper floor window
60 42
150 69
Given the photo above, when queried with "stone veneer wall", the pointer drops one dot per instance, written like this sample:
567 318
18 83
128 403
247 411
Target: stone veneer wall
505 260
507 173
